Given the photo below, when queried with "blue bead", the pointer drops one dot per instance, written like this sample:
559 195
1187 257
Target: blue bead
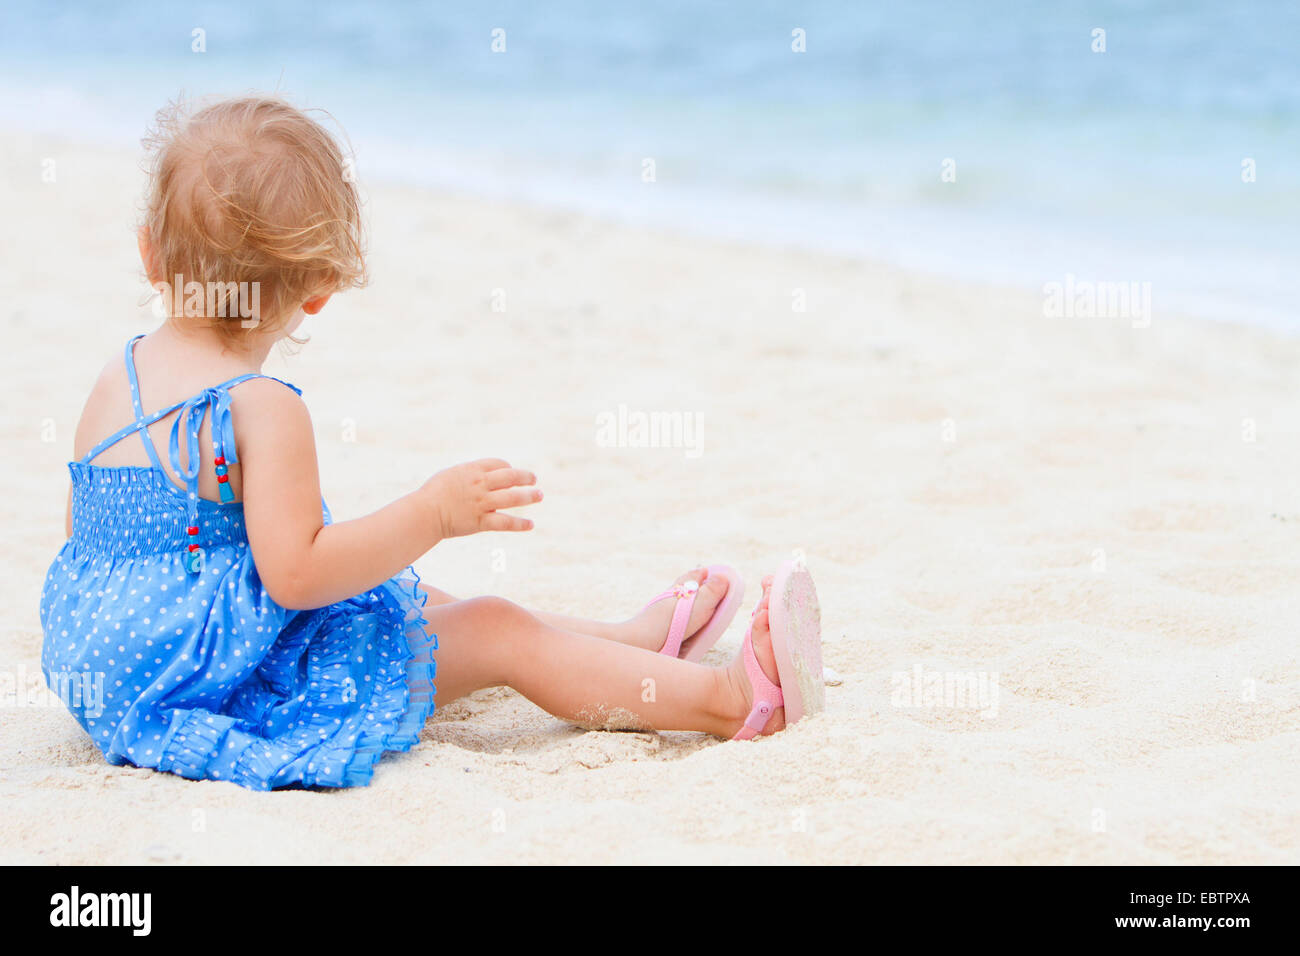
227 496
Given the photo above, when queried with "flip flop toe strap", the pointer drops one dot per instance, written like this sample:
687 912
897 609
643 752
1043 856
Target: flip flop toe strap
767 696
685 594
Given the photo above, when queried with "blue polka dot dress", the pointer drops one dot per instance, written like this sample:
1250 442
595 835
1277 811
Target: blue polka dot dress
167 649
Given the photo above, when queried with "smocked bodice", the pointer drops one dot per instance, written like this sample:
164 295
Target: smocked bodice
128 511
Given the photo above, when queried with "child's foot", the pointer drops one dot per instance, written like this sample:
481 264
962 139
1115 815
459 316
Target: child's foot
741 690
649 628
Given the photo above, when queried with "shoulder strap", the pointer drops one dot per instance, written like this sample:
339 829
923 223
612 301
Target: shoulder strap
141 423
112 439
196 406
224 452
132 378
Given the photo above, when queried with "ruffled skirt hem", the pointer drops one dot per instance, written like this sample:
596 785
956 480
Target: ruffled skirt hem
349 739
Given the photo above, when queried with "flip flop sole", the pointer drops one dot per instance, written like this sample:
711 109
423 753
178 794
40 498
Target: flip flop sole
722 614
794 616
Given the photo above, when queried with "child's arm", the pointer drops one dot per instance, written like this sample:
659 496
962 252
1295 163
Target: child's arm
306 564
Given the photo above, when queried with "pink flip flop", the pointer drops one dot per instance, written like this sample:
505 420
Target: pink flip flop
712 630
794 618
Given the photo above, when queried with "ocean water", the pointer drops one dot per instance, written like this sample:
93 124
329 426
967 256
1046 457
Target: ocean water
1117 166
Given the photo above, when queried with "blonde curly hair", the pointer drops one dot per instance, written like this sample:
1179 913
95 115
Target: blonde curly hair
251 193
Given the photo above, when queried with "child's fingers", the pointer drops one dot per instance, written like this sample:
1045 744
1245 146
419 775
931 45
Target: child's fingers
511 498
490 464
508 478
500 521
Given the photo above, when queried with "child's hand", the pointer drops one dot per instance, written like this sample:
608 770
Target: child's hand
469 498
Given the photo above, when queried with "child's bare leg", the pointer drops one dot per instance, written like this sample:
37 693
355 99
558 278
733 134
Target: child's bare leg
488 642
609 631
646 629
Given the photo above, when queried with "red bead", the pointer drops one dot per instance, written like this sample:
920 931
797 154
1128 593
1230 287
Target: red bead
192 530
194 547
222 479
220 460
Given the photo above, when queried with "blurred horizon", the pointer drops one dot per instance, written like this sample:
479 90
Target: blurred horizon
1123 165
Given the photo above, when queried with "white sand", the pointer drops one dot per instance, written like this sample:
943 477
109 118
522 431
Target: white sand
1148 704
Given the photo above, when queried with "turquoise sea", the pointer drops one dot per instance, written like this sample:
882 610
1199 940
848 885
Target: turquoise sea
1173 157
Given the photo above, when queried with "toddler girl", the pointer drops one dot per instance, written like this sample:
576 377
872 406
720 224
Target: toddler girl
237 633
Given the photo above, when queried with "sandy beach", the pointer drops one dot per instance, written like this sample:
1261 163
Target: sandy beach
1094 523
